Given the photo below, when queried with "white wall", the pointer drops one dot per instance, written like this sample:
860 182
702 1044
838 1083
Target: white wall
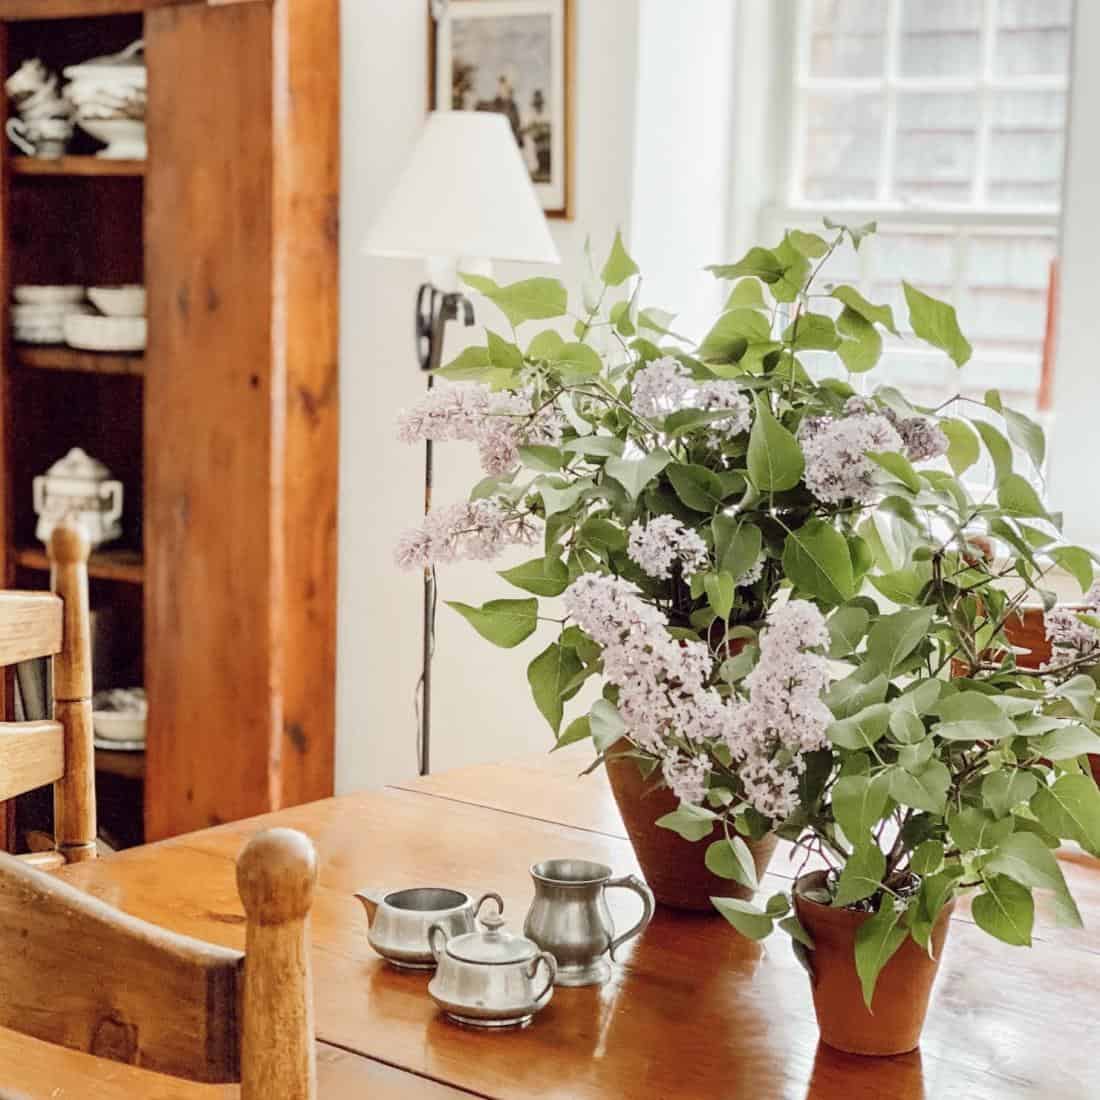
482 707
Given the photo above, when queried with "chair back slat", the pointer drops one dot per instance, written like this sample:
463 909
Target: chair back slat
30 626
32 755
81 974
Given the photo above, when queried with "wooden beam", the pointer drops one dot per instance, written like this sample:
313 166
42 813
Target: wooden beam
32 755
30 626
76 9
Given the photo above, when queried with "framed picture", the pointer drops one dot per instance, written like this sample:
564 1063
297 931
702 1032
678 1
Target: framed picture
513 57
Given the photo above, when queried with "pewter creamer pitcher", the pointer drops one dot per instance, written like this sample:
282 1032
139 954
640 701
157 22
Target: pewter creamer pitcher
570 919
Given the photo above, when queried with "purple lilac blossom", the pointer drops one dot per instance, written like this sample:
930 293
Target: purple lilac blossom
1070 638
477 530
657 545
837 466
665 386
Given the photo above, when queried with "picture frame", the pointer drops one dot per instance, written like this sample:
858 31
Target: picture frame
514 57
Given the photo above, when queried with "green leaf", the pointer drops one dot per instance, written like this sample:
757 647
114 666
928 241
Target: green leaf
1000 451
812 332
752 922
1005 909
698 487
505 623
855 232
732 333
576 362
1071 808
904 586
606 446
730 858
602 534
861 689
607 724
895 636
1027 435
634 474
758 262
963 449
619 266
548 674
1024 858
861 345
969 706
968 730
737 544
536 299
577 730
924 790
691 822
861 875
719 589
1068 742
847 626
545 345
974 830
876 941
927 858
746 295
935 891
794 929
471 365
1003 790
503 353
542 576
816 560
775 460
1077 562
796 270
560 497
809 245
853 300
906 727
897 465
546 459
861 730
859 802
935 323
1018 498
1080 692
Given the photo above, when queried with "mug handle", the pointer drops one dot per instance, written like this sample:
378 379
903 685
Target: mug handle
632 882
16 129
552 970
437 928
113 495
491 896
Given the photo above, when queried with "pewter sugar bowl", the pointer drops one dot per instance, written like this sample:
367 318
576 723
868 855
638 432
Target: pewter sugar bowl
79 486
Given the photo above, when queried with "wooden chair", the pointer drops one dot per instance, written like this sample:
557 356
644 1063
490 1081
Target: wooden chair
59 751
76 972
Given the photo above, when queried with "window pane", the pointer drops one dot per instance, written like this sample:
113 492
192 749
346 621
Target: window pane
940 38
843 146
1025 148
847 37
935 149
1032 37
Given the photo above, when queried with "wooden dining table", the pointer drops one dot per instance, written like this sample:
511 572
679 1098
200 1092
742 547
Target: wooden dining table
692 1011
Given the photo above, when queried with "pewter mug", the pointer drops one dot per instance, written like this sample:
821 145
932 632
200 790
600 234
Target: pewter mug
570 919
400 920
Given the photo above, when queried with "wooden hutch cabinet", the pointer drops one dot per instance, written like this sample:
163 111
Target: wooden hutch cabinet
224 432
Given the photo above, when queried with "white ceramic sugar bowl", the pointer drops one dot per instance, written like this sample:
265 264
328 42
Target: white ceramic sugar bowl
81 487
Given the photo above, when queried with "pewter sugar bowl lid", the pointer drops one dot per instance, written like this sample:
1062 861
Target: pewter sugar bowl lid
492 946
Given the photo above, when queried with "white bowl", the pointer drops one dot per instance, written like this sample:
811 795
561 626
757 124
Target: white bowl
124 137
118 301
106 333
28 294
117 725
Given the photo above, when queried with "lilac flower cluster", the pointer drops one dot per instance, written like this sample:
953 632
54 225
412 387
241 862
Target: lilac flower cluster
835 450
785 716
663 541
1070 638
921 438
665 386
500 423
477 530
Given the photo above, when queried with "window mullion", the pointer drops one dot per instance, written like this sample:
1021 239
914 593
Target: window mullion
979 184
890 100
798 134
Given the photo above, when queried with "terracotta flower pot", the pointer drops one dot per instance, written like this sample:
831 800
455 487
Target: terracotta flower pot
673 867
901 995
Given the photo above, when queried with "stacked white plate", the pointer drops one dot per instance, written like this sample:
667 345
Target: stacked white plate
110 96
119 326
40 312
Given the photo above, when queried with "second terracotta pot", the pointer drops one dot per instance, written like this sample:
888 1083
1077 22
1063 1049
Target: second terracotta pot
673 867
901 995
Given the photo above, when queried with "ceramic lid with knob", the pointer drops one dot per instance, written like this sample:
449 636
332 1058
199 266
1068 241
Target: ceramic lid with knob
492 946
127 67
78 465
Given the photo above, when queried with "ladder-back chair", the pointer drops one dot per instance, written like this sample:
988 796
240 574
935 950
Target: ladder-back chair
79 973
60 751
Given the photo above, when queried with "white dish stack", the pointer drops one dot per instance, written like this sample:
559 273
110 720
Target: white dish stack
40 118
39 313
110 96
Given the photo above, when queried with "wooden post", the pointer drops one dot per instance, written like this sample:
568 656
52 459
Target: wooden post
74 792
276 874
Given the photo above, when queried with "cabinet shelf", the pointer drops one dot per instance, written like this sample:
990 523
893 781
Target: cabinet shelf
106 565
56 357
76 166
128 765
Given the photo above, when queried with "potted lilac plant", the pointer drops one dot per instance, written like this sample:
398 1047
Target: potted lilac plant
796 607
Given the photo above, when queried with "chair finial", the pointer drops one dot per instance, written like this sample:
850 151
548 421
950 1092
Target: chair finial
69 543
276 874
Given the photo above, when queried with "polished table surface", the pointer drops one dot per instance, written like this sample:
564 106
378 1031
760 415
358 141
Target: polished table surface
693 1010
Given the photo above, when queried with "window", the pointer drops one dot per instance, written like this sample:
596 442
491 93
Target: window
944 121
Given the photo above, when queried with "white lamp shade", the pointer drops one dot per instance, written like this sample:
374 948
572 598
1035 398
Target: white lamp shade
464 194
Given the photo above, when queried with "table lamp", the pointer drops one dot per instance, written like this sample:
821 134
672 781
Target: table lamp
464 199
